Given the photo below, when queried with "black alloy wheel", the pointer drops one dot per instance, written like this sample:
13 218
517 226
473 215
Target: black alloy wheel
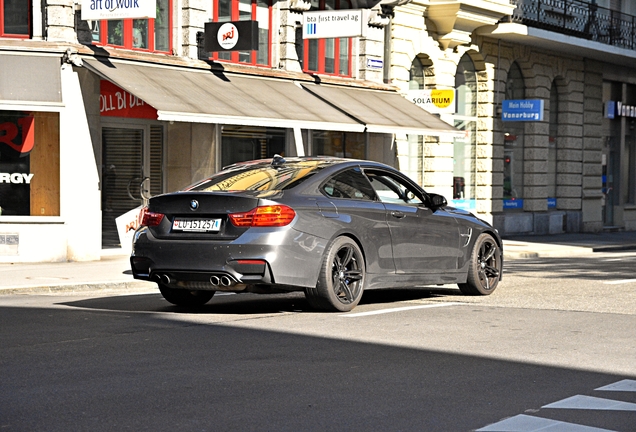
484 271
341 281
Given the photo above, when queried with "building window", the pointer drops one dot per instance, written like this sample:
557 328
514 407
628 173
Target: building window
29 163
514 144
246 10
464 149
243 143
552 145
139 34
15 18
328 56
339 144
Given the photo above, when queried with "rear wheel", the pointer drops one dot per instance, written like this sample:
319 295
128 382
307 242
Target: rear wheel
341 281
484 270
183 297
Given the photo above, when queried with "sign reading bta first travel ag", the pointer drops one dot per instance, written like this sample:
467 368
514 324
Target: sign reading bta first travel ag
334 24
118 9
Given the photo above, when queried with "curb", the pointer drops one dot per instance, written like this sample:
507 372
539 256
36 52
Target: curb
80 287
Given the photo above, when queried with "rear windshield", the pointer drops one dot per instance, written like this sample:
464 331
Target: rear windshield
260 177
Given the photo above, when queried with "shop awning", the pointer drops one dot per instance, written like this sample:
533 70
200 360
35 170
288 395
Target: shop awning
30 82
382 111
202 96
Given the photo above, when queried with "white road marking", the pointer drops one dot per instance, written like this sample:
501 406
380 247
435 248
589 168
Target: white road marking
624 385
402 309
592 403
526 423
619 281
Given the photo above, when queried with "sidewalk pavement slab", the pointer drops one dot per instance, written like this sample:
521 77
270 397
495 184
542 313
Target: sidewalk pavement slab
112 273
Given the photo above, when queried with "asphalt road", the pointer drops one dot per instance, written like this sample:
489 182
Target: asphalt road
554 348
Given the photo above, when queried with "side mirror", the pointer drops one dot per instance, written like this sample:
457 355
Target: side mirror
438 201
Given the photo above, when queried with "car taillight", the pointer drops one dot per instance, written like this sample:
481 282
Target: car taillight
264 216
148 218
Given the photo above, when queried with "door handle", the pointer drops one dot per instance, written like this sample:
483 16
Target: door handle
398 214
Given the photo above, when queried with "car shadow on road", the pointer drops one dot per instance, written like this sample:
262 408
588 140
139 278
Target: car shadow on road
252 304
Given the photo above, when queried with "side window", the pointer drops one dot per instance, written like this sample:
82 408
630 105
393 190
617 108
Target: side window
350 184
392 189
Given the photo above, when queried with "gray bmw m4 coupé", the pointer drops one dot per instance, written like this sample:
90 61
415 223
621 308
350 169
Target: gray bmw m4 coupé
329 227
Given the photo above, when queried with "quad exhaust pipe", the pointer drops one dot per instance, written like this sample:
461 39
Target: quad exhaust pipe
224 281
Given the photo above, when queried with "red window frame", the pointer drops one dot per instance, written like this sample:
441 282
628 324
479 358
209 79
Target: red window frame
128 33
11 35
322 49
234 55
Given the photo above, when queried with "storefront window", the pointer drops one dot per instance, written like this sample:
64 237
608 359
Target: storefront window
328 56
140 34
464 148
244 143
29 164
15 18
514 144
552 146
339 144
246 10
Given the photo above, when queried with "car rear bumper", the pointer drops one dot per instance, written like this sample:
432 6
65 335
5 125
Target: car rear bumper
278 256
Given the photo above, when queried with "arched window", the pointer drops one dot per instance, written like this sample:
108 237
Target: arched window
513 144
464 161
414 157
552 145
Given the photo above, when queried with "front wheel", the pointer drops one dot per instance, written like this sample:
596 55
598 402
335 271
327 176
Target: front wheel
341 281
484 270
184 297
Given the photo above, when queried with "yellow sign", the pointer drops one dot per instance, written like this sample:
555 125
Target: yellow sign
436 101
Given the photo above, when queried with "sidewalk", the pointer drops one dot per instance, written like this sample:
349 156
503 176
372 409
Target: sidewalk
112 273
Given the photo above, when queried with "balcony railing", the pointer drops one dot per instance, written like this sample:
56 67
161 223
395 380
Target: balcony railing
578 18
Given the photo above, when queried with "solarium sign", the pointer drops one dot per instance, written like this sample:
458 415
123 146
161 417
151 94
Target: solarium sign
118 9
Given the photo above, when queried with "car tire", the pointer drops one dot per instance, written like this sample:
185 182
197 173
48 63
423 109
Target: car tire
484 269
342 277
183 297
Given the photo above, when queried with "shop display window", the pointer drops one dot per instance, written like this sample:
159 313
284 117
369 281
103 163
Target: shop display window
246 10
514 145
552 146
140 34
15 18
243 143
328 56
339 144
464 148
29 164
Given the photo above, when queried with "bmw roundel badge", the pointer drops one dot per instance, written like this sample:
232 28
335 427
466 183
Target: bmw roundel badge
194 204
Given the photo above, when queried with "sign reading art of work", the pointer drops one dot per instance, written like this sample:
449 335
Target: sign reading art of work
334 24
231 36
118 9
522 110
435 101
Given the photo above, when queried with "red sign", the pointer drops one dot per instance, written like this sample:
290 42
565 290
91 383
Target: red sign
18 136
116 102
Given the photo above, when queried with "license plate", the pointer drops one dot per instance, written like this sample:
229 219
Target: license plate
199 225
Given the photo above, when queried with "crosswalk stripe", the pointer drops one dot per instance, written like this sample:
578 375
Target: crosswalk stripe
592 403
526 423
624 385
